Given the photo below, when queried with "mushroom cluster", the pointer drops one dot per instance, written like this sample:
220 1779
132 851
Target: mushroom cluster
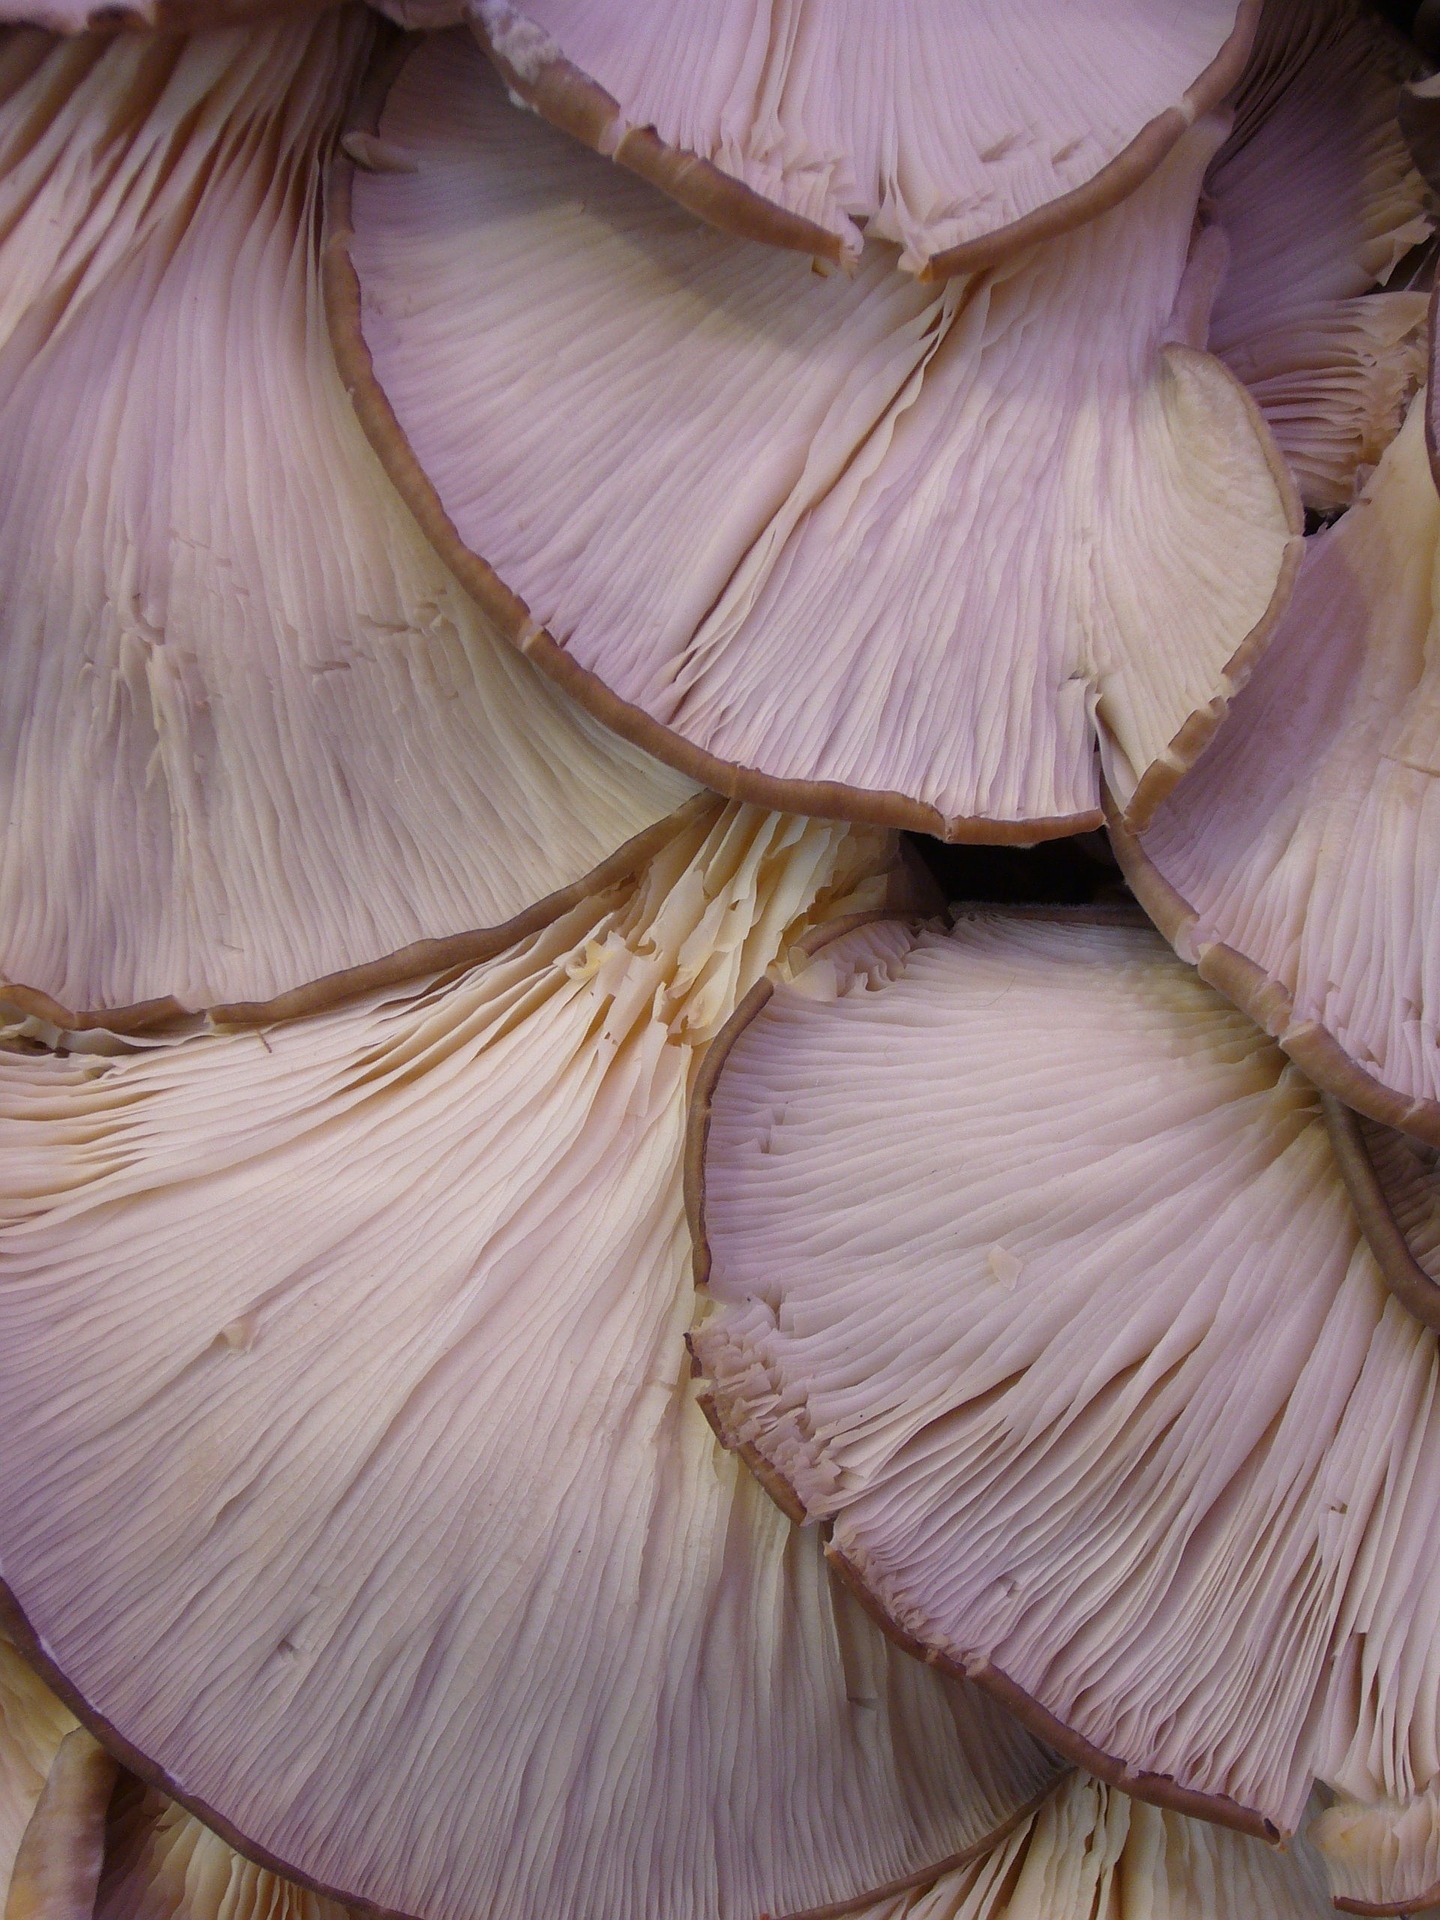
719 960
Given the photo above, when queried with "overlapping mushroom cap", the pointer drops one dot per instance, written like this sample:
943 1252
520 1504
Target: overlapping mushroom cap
252 733
1086 1853
384 1522
843 544
1299 864
1320 201
1034 1276
959 130
357 1487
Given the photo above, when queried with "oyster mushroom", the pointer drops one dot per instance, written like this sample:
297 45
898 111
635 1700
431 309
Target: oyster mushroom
256 744
796 614
1295 865
1033 1277
961 131
387 1533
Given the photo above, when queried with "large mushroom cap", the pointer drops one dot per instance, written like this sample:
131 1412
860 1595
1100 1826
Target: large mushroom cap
252 733
1320 200
355 1478
960 130
839 543
1297 866
1034 1277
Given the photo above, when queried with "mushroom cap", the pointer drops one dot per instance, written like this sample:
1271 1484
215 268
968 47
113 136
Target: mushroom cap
1334 382
1382 1856
1320 200
1087 1853
961 131
796 615
253 734
386 1532
1033 1277
1297 865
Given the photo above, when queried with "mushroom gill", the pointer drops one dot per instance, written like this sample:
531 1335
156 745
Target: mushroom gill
371 1502
961 131
253 736
797 615
1033 1277
1087 1852
1298 866
1320 201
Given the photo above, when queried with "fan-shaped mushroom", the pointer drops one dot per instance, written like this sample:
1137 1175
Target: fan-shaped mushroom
842 544
1034 1277
252 734
386 1526
1297 865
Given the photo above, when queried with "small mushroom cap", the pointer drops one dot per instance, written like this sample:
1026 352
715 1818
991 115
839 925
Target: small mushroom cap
959 130
797 615
1299 864
1319 198
1334 382
253 736
1382 1856
386 1527
1033 1276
